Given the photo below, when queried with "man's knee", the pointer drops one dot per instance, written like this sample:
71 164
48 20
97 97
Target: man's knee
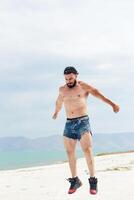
70 151
87 149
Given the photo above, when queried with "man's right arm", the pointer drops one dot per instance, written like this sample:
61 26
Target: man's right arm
58 104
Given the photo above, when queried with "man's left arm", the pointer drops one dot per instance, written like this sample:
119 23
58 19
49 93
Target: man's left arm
99 95
95 92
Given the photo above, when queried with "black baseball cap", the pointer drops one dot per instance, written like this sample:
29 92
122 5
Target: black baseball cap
69 70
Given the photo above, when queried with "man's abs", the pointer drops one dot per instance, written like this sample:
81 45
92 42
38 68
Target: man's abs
75 111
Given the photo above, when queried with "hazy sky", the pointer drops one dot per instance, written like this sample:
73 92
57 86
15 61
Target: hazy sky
39 38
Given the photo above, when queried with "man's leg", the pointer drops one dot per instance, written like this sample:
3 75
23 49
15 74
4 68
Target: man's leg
86 144
75 182
70 145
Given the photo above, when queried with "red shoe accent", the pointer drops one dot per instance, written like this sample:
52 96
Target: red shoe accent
75 184
93 192
71 191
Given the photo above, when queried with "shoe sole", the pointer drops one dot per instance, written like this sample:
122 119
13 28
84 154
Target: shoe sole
75 189
93 193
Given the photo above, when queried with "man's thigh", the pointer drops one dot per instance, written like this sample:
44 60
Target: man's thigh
69 143
86 140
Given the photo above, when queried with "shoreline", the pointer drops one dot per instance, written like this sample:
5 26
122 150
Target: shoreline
66 161
117 152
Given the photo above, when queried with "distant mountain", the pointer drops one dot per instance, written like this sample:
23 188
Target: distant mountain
23 144
113 142
101 143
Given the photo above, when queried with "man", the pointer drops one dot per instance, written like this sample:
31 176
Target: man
74 95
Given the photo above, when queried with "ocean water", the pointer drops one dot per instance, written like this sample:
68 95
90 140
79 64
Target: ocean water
22 159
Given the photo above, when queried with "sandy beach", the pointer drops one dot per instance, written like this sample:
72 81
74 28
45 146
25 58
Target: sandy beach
115 174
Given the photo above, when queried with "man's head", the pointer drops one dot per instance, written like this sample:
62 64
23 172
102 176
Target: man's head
70 74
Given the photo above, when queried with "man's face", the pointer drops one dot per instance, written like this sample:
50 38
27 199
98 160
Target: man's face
70 80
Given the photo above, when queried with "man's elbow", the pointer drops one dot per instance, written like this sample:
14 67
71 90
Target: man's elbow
95 92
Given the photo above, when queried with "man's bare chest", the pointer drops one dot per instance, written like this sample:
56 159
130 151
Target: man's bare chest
74 94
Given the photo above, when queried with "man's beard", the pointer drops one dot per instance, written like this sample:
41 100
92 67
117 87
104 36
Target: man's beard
72 85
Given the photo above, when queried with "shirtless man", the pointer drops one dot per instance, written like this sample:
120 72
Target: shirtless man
74 96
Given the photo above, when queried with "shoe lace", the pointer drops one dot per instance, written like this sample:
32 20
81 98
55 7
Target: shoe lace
72 181
93 183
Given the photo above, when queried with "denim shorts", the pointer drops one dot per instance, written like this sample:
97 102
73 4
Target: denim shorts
76 127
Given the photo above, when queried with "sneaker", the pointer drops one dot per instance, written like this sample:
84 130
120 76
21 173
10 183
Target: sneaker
75 184
93 185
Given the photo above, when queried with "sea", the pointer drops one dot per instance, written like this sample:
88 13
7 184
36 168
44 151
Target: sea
10 160
21 159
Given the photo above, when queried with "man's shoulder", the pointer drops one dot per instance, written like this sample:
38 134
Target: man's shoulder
62 88
82 83
85 86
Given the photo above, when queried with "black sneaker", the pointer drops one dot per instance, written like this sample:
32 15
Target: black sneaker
93 185
75 184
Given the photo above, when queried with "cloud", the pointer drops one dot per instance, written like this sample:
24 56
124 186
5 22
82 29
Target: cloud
79 30
40 38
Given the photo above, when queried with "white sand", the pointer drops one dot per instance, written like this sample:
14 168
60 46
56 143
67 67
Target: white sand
115 174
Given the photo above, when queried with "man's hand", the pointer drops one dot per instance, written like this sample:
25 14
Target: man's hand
116 108
55 115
